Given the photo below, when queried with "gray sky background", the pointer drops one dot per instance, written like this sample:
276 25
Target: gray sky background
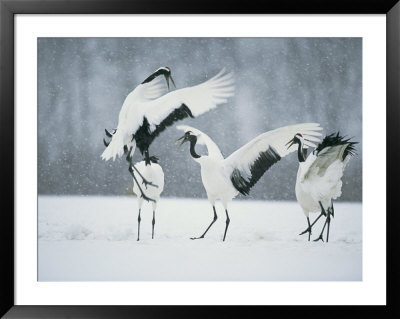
82 83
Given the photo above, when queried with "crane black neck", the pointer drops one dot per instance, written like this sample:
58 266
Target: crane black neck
155 74
193 141
300 152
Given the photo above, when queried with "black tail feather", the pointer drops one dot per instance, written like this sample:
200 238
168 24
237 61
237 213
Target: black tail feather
336 139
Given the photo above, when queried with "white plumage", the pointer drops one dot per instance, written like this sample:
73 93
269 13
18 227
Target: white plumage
318 188
145 113
145 106
319 178
224 178
155 173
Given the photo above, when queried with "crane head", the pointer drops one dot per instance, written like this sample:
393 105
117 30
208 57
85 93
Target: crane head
166 71
168 77
187 137
297 139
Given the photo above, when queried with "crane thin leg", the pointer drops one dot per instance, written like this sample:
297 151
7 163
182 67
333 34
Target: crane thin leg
310 226
327 222
153 222
322 209
137 183
322 231
330 212
327 233
213 221
129 160
144 181
227 223
138 227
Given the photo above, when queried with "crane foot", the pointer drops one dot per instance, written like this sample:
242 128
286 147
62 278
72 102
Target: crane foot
308 230
319 238
193 238
147 198
145 182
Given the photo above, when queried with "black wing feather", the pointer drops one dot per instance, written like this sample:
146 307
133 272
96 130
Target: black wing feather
144 136
178 114
263 162
335 140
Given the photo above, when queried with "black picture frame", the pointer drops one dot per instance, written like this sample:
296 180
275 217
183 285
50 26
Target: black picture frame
8 10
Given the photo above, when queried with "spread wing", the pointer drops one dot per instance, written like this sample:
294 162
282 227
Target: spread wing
190 101
142 93
246 165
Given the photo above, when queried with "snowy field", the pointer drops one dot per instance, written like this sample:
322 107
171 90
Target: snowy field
94 239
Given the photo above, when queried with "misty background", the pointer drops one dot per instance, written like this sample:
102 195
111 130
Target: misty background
82 83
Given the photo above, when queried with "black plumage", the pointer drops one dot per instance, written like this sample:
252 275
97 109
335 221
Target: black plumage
144 136
162 71
335 140
151 159
178 114
263 162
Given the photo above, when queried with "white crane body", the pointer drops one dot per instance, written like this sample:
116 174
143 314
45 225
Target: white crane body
224 179
154 173
215 181
319 188
319 177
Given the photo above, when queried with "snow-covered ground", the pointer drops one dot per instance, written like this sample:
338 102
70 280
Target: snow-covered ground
94 238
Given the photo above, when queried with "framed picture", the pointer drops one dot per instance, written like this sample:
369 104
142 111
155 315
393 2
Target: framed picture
75 239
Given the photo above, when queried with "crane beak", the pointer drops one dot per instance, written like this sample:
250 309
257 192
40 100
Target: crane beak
108 133
172 80
169 77
291 142
183 138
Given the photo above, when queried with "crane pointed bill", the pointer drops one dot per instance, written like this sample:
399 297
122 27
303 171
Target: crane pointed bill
172 80
291 142
108 133
183 138
167 78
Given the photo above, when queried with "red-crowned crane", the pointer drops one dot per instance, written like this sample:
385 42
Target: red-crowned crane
145 113
319 176
225 178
